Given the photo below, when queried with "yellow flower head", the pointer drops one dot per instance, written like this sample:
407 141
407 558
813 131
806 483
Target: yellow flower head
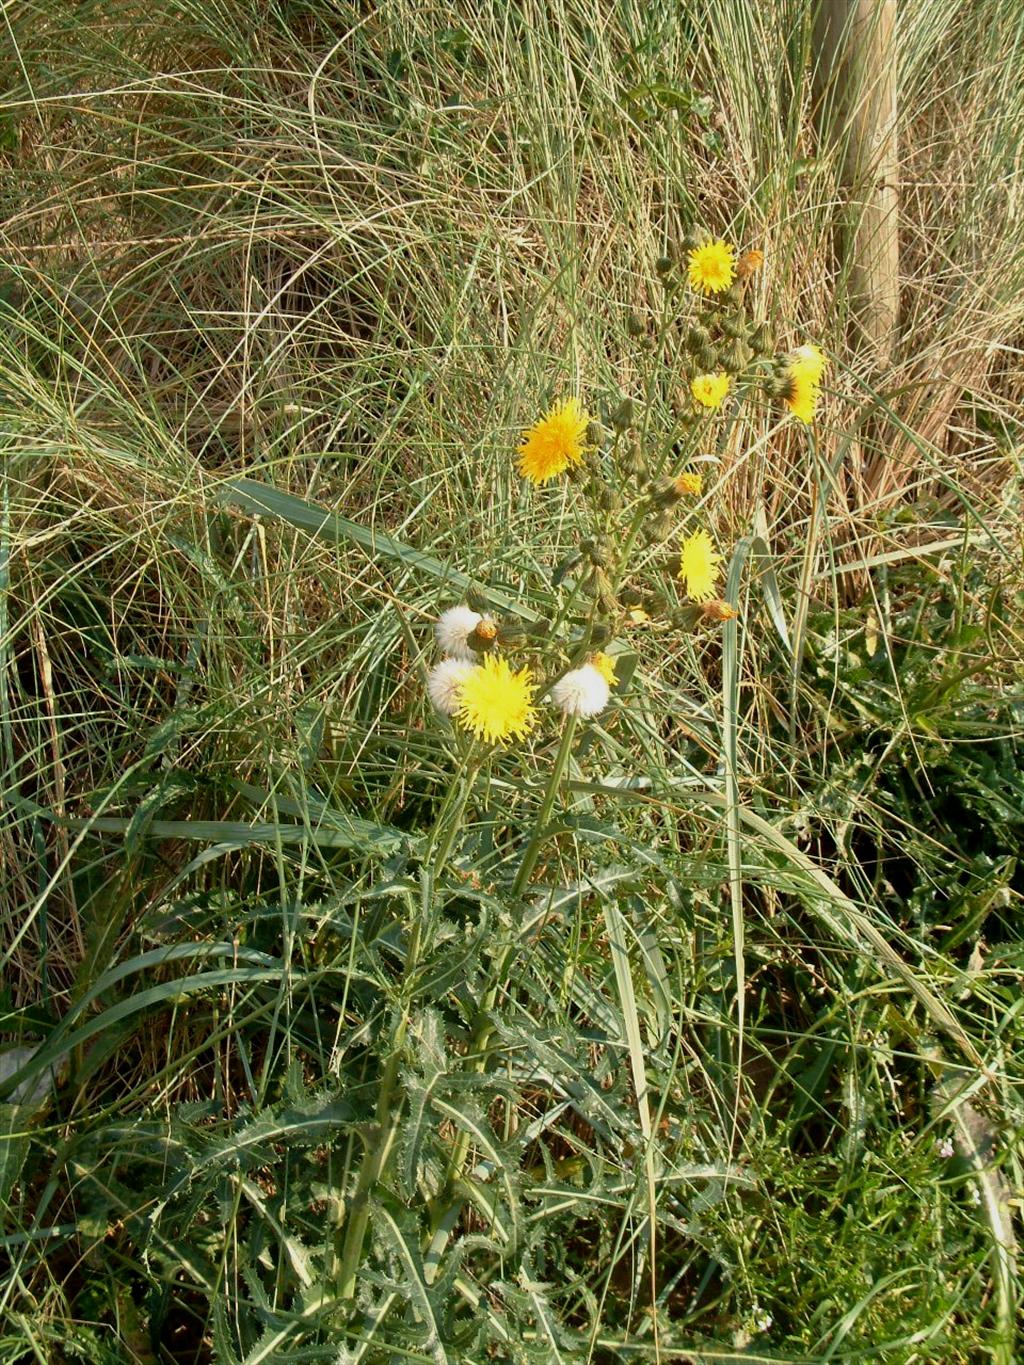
810 360
689 485
605 665
711 266
710 390
554 443
496 703
806 366
698 566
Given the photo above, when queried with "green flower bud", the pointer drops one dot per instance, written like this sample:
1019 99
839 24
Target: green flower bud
633 460
635 326
735 357
595 433
511 633
661 526
663 266
685 618
476 599
622 417
734 294
697 337
759 339
609 500
485 637
630 597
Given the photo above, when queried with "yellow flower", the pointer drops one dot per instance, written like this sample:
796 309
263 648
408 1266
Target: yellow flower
711 266
801 396
806 366
605 665
689 485
710 389
496 703
811 360
698 566
554 443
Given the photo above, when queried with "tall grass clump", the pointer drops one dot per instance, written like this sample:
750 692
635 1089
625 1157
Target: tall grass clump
510 713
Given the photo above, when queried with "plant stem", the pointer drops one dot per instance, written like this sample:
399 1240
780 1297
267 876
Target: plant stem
353 1230
477 1060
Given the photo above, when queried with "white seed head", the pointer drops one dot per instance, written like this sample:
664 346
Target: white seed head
583 692
454 628
444 684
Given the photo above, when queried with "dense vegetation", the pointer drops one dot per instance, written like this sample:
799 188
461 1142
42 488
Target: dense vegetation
329 1036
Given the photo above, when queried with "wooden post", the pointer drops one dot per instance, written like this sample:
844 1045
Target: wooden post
856 85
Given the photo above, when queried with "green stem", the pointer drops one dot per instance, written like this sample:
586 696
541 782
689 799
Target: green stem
352 1233
478 1048
537 837
454 811
388 1114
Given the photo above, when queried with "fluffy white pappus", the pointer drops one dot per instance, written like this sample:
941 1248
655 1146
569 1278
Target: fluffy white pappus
583 692
454 628
444 684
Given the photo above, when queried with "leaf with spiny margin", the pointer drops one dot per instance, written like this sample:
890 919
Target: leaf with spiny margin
402 1239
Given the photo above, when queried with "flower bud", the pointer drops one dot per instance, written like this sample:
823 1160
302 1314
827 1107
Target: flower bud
735 327
717 610
484 637
665 495
633 460
635 326
734 294
511 633
749 264
707 359
695 236
661 526
663 266
609 500
735 357
595 433
759 339
685 618
476 599
622 417
697 337
630 597
600 633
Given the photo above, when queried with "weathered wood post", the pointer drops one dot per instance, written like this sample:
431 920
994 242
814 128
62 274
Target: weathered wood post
855 79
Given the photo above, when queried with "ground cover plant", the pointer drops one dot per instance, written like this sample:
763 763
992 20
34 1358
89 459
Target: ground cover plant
510 686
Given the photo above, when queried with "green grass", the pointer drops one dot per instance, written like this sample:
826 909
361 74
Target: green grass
281 285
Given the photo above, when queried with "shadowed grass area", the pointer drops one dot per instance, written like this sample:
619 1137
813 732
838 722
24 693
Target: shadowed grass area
281 287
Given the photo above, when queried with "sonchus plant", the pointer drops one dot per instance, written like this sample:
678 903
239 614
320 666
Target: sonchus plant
635 482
